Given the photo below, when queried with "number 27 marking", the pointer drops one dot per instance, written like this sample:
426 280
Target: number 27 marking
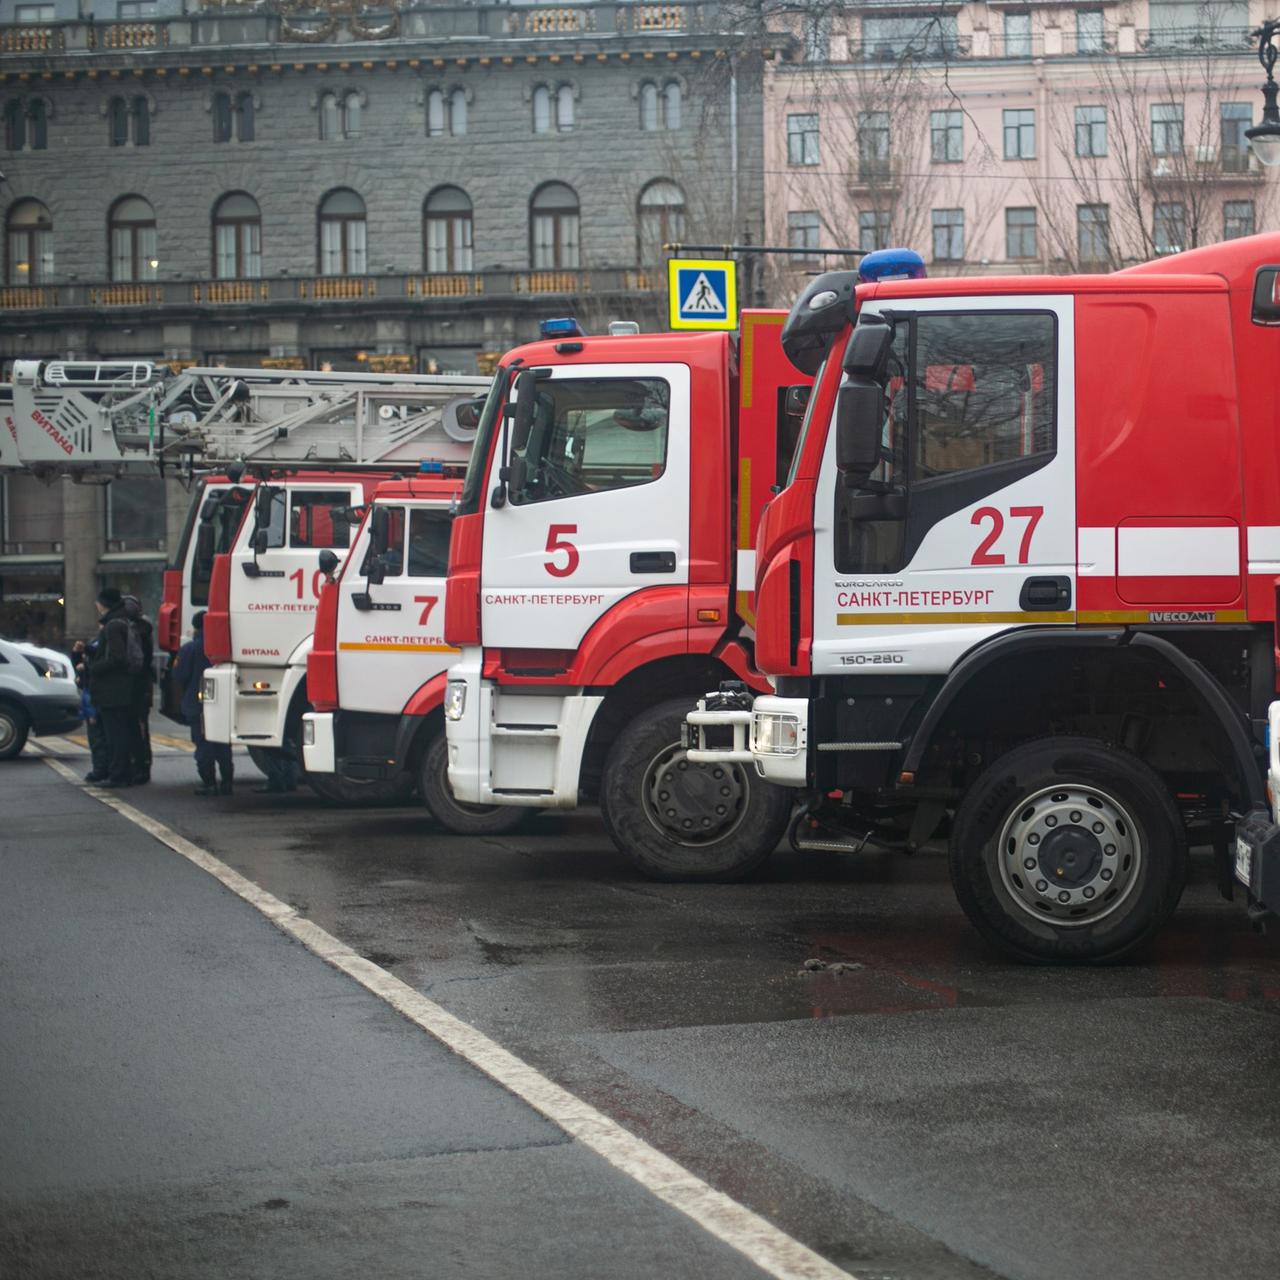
984 554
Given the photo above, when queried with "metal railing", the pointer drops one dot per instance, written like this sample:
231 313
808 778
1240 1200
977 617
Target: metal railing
289 291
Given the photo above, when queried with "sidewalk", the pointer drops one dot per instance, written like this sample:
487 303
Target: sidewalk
186 1092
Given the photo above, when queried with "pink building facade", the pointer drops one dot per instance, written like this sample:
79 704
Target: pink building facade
1005 137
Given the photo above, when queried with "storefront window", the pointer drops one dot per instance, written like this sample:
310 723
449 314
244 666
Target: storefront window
136 514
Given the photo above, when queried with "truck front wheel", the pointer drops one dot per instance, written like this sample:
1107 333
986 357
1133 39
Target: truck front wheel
1068 851
452 814
681 821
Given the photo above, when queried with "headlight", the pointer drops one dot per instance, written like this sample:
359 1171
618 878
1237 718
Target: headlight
308 733
208 690
43 667
774 733
455 699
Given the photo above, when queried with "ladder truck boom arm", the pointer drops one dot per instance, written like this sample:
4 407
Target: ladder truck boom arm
99 419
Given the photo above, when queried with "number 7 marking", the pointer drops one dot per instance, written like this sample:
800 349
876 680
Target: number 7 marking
1032 516
428 603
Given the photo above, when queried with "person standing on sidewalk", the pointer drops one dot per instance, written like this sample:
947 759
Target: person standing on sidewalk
212 758
82 652
144 684
112 671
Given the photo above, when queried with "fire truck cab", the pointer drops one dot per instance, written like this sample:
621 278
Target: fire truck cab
1020 588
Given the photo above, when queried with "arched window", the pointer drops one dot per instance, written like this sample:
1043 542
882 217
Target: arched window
38 115
222 117
30 258
564 108
542 109
330 119
237 238
435 114
447 230
351 115
671 104
244 117
118 122
15 125
553 227
343 244
649 107
458 111
141 110
661 218
132 233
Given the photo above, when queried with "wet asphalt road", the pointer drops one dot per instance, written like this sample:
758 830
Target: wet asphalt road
933 1112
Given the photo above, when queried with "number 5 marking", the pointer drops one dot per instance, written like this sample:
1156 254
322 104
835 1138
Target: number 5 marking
428 603
557 542
984 554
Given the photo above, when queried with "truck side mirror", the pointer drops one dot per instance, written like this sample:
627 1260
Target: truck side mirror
261 539
376 572
328 563
867 355
379 531
860 414
262 503
526 407
204 543
209 507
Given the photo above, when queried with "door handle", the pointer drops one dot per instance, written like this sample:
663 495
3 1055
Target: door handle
653 562
1045 595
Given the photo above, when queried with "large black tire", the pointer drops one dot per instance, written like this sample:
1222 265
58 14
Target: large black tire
14 728
349 793
453 815
680 821
1068 851
261 756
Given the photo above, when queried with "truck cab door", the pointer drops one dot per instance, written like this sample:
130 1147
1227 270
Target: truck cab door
597 503
274 591
968 526
391 633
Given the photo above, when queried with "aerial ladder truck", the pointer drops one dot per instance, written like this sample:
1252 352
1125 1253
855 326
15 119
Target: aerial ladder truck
281 463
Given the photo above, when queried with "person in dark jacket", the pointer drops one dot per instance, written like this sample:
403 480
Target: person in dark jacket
113 685
212 758
144 682
82 652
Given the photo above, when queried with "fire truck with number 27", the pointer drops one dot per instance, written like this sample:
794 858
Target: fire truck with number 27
1019 589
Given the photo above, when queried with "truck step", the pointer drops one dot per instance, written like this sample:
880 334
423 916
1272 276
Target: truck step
859 746
526 731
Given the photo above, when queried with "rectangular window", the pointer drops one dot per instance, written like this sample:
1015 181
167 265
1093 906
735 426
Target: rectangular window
1020 233
1091 131
802 139
1020 134
873 230
429 543
1093 233
31 14
984 389
1238 219
1017 35
803 232
1169 227
591 435
873 146
1166 129
132 10
946 136
931 35
31 516
1235 119
136 513
948 235
311 522
1090 34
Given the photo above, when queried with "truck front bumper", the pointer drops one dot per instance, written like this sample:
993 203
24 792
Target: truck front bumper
1257 861
318 742
247 706
773 735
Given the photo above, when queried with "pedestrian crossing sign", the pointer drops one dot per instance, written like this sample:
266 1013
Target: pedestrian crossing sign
703 293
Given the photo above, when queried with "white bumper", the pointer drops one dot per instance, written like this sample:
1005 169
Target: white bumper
773 735
317 742
511 747
249 706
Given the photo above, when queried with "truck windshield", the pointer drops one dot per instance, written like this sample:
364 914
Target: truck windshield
473 485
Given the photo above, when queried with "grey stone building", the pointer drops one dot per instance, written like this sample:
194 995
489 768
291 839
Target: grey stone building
376 186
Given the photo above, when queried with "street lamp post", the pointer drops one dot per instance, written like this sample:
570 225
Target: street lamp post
1264 138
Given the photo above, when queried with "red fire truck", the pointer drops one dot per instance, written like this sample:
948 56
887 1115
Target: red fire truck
1020 588
600 574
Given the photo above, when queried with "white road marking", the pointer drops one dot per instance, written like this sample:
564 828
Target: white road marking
769 1248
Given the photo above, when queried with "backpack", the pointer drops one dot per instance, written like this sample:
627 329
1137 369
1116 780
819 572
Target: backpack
133 654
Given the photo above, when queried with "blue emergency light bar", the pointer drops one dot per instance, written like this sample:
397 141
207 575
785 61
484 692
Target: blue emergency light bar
564 327
891 264
431 468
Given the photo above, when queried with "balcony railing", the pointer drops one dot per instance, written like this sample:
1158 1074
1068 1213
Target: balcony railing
289 292
236 24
